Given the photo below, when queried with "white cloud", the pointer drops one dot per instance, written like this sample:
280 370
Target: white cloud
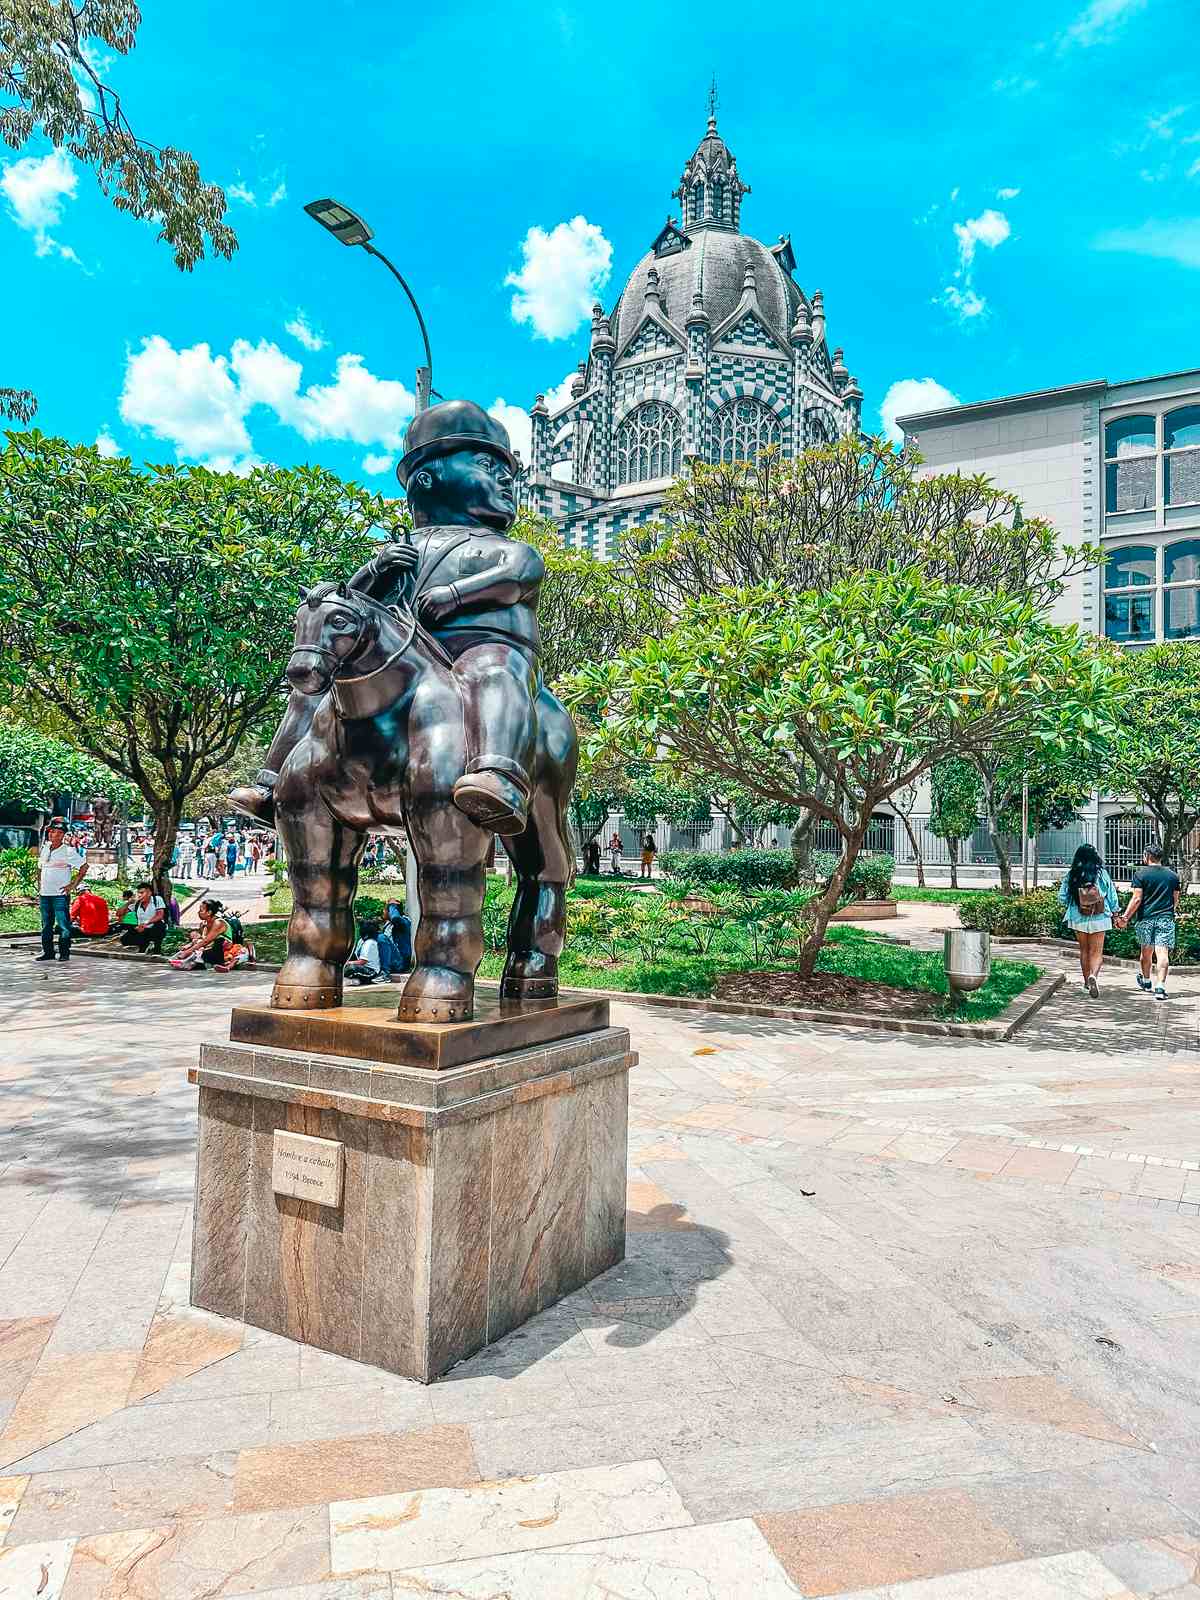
1007 194
560 395
561 274
908 396
277 195
1177 240
1017 84
966 303
106 445
239 191
199 401
35 188
299 328
1099 22
373 465
1194 170
520 429
989 228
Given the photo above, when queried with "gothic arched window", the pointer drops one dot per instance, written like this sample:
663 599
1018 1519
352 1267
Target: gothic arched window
584 468
697 202
649 444
718 201
819 429
743 428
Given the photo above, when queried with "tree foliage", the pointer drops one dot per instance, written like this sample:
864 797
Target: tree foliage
49 55
866 685
583 615
955 797
149 614
1157 751
35 768
855 506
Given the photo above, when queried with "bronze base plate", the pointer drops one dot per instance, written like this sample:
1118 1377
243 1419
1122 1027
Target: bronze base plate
372 1032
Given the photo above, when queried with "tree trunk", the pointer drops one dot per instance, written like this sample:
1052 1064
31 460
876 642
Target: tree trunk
1171 835
802 844
1035 861
952 849
1003 863
825 904
916 849
166 814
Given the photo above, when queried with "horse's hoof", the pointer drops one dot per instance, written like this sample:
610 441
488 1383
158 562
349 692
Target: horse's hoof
492 801
529 989
437 994
305 997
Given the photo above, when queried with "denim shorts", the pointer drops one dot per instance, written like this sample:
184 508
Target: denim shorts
1155 930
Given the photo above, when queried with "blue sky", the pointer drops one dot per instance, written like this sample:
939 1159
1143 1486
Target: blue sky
993 199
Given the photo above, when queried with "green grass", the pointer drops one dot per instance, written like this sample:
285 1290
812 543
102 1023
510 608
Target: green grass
933 897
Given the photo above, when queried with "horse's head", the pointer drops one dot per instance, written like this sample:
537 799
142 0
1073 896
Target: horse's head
333 626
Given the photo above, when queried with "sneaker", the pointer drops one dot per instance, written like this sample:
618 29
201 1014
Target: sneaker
1144 983
43 958
1093 988
1160 993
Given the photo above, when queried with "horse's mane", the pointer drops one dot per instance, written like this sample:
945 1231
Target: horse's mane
399 613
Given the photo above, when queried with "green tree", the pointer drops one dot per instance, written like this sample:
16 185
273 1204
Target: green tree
51 73
954 805
34 768
1156 756
870 684
148 615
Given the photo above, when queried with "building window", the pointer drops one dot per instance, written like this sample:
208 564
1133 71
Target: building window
1181 456
1130 464
743 428
649 444
718 201
585 456
1133 583
697 202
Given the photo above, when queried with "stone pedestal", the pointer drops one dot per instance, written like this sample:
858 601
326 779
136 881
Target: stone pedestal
458 1202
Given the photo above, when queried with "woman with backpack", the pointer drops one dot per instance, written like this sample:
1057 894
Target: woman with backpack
1089 900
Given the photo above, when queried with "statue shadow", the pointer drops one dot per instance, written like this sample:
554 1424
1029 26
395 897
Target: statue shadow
636 1304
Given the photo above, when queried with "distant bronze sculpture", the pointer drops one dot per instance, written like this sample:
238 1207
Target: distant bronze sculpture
417 707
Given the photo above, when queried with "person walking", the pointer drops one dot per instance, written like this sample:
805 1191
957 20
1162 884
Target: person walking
614 854
1089 900
1153 907
231 855
61 870
209 870
649 851
187 854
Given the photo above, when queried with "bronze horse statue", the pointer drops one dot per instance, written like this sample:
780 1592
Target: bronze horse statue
382 755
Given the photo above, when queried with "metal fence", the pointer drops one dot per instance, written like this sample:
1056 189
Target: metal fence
880 838
1125 839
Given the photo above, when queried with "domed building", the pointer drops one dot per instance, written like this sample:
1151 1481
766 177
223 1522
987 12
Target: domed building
712 352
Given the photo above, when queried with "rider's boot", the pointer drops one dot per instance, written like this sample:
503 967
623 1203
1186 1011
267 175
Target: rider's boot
495 800
257 799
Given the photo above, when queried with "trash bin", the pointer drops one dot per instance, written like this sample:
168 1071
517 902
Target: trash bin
968 959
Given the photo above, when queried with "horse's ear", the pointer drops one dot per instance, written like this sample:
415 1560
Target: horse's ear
304 593
343 591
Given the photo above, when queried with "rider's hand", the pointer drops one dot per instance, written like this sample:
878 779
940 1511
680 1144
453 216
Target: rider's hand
437 603
398 554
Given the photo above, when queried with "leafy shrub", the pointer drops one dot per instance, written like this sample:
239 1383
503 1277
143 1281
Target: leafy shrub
744 869
367 906
18 872
1030 916
871 877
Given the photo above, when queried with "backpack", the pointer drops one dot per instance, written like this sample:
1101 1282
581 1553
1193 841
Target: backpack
1090 899
234 925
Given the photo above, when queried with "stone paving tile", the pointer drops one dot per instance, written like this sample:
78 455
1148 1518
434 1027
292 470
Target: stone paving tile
150 1432
136 1494
35 1571
209 1559
679 1564
1076 1575
11 1492
830 1549
1153 1567
350 1469
64 1394
432 1526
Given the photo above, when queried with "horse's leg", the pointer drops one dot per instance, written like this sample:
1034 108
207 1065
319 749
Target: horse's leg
544 861
323 857
448 947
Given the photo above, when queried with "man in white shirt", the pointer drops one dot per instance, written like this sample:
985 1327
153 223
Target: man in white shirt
151 911
62 870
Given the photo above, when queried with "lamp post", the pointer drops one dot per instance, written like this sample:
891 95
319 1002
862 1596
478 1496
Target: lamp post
349 228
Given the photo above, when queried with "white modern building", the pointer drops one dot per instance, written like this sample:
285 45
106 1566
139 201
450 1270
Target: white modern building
1110 464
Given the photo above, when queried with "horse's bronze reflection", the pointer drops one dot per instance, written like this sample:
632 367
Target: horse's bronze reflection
383 754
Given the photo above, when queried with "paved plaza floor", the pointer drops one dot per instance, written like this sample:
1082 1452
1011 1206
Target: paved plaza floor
901 1317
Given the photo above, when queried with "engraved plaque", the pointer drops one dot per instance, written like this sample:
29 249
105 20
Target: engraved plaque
306 1168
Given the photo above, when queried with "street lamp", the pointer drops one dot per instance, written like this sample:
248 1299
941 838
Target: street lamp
349 228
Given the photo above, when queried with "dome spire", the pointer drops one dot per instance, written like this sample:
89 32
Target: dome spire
710 191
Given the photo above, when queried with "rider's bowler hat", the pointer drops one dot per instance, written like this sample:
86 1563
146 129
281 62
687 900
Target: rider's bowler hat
450 426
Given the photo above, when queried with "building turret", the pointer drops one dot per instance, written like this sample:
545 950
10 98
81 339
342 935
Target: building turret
603 348
710 191
540 444
839 371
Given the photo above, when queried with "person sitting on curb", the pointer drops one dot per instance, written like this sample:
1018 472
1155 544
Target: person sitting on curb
150 911
395 942
206 946
89 914
1152 909
364 965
